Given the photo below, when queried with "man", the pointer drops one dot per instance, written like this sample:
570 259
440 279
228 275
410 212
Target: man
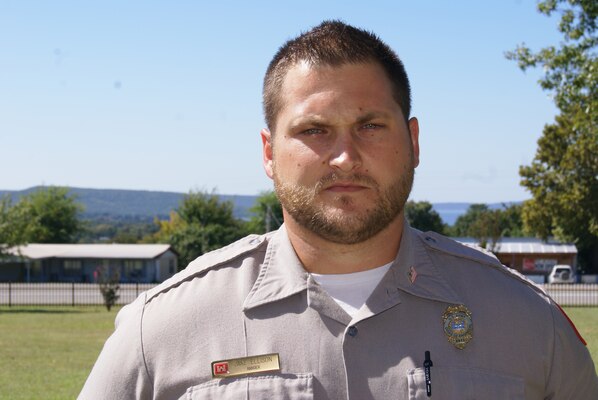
345 300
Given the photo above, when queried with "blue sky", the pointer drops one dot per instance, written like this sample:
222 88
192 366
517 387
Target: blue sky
166 95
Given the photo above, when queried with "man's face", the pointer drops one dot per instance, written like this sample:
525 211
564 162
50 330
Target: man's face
342 156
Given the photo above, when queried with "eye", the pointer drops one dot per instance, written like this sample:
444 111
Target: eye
371 126
370 130
312 131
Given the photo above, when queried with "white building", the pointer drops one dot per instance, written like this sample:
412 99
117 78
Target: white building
143 263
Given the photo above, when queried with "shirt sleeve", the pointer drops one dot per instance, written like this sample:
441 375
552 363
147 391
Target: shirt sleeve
120 371
573 375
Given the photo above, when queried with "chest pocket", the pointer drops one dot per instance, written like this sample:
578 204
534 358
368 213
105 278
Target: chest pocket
262 387
464 384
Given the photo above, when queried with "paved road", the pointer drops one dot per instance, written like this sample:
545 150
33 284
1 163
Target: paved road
64 293
89 294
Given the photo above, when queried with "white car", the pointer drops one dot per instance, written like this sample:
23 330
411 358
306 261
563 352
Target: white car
561 274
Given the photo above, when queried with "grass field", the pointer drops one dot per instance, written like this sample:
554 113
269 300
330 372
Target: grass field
47 353
586 321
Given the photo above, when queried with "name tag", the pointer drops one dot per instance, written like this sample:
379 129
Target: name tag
245 366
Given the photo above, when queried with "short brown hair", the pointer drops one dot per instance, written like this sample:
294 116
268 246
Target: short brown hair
333 43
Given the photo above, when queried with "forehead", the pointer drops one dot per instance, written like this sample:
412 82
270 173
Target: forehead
310 89
304 75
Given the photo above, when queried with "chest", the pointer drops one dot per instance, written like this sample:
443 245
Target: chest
320 357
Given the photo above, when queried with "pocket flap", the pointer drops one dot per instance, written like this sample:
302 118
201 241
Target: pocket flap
266 387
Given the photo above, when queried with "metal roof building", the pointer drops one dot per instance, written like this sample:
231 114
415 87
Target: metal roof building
81 262
531 255
37 251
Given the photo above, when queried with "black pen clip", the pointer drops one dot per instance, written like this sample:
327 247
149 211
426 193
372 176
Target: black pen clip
427 364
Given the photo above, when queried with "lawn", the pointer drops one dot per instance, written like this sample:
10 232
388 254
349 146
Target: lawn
47 353
586 321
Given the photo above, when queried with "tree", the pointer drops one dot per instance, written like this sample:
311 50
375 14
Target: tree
462 226
487 229
109 285
570 69
489 226
267 213
481 223
48 215
512 221
12 226
563 177
52 216
422 216
201 223
563 180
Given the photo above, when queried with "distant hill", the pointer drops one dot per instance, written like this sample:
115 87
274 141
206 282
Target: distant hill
145 205
135 204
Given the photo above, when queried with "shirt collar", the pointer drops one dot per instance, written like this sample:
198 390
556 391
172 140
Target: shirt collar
282 275
414 271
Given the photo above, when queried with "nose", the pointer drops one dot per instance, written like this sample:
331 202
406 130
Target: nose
345 154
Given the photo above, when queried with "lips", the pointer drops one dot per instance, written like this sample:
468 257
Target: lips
354 183
345 187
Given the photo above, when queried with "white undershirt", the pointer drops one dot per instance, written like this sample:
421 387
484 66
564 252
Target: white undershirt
352 290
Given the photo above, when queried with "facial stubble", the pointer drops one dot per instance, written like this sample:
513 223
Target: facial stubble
332 220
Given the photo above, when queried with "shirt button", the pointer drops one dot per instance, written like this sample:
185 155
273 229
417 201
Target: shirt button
352 331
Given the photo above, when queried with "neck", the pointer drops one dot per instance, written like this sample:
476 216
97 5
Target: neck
324 257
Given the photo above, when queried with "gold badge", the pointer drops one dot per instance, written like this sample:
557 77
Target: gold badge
458 325
245 366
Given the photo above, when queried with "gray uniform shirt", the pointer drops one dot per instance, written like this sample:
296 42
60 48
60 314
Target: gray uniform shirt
254 298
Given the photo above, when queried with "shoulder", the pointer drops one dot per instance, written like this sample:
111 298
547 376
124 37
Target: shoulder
471 259
442 244
214 260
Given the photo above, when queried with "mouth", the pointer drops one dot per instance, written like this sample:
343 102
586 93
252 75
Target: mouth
334 183
339 187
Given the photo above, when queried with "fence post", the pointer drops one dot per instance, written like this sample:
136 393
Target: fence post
73 293
136 289
9 294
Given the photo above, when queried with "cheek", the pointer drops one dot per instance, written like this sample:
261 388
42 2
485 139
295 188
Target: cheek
296 156
298 167
386 161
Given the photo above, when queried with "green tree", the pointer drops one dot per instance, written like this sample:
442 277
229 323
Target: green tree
267 213
201 223
481 223
12 226
48 215
563 177
462 226
570 68
489 226
52 215
512 221
487 229
422 216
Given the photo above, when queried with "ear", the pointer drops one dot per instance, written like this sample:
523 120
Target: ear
267 152
414 133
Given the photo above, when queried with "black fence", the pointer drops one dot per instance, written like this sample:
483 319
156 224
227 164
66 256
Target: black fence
88 294
575 294
65 294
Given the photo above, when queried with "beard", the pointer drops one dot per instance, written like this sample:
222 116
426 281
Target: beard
334 221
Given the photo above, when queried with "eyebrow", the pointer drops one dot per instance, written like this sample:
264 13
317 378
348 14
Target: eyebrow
315 121
319 122
370 116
